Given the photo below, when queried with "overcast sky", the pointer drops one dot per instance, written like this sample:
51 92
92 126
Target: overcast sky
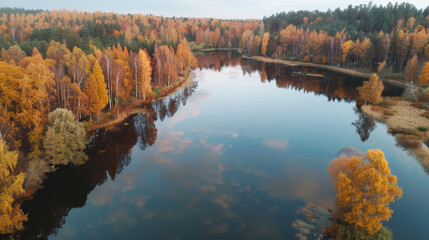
195 8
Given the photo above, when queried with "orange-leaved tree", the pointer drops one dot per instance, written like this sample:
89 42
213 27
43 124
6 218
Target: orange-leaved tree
424 75
371 90
184 57
265 40
381 66
411 70
306 58
365 188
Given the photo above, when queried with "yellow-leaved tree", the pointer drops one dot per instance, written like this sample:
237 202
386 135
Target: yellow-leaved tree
184 57
365 188
11 215
145 76
96 90
371 90
37 89
265 40
345 48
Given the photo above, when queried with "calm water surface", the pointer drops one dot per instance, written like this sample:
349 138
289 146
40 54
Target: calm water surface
231 157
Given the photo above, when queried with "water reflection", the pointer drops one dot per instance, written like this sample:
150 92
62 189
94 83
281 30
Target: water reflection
68 187
109 153
301 181
146 128
364 125
186 182
218 60
332 85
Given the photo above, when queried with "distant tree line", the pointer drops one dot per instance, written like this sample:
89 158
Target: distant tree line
357 20
387 39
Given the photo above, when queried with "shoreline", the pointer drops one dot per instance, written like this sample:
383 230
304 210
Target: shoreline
327 67
407 124
122 116
216 49
139 108
403 120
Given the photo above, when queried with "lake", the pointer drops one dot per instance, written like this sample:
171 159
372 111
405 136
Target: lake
232 156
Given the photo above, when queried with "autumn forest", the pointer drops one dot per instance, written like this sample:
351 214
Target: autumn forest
80 89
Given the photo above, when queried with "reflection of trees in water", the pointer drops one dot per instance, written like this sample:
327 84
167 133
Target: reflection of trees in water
263 72
364 125
109 154
161 109
333 85
218 60
69 186
145 128
171 104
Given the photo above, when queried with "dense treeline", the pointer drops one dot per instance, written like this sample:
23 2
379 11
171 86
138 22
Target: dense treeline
357 20
388 39
31 29
92 68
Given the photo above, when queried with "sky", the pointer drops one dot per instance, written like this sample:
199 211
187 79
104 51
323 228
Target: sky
237 9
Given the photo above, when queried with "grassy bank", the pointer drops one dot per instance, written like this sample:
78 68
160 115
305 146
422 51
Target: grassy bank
408 122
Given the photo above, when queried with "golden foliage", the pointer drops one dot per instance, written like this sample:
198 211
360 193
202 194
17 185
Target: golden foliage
145 75
11 215
371 90
381 66
346 47
96 90
365 188
265 40
184 56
